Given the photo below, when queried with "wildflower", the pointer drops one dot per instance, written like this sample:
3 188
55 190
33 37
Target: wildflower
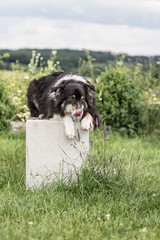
109 130
111 159
54 53
120 63
144 229
97 123
80 154
114 171
108 216
73 145
19 91
104 131
30 223
20 114
25 107
154 195
138 158
88 155
91 143
15 99
100 96
78 135
98 219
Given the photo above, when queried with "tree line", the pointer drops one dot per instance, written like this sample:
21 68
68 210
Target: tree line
69 59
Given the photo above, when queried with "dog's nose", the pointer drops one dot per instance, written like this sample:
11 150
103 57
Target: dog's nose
78 112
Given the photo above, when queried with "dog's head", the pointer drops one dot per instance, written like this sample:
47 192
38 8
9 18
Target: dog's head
74 98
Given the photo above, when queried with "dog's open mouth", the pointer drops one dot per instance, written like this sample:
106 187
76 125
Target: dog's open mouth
77 114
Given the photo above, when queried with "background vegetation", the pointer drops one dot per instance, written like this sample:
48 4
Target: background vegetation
128 93
116 195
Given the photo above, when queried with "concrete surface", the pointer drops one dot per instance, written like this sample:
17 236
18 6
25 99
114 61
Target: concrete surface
49 153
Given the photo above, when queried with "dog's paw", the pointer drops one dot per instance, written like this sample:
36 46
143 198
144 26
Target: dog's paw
70 132
41 116
87 123
69 127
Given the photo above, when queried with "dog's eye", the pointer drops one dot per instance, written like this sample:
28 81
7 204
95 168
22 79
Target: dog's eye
72 97
82 98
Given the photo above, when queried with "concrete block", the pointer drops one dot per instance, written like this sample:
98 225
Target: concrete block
50 155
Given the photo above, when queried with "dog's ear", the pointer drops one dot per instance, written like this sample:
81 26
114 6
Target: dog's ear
58 92
57 95
90 95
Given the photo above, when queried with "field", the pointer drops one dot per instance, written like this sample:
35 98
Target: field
116 194
120 200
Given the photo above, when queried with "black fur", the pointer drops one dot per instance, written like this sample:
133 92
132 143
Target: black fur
47 98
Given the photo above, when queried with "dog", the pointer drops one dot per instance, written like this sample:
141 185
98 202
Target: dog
70 96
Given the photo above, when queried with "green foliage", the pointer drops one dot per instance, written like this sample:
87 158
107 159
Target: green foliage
69 59
122 90
86 66
36 65
6 108
5 55
153 125
124 205
120 102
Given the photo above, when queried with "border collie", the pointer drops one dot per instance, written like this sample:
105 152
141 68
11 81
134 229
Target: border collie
70 96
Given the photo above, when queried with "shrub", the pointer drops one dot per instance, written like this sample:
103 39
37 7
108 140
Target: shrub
154 119
120 101
6 108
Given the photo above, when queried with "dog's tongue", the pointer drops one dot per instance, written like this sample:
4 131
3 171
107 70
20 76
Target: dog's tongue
78 112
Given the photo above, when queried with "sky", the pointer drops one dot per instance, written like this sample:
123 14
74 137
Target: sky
119 26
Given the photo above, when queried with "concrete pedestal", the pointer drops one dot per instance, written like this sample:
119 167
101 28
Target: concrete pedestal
50 155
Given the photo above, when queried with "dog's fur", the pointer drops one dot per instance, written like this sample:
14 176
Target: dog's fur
69 95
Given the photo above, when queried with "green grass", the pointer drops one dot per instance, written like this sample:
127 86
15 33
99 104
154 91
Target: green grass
128 190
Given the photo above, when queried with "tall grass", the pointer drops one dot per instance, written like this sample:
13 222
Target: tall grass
119 204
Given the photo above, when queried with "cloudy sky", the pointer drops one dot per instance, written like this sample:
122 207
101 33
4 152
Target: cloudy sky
130 26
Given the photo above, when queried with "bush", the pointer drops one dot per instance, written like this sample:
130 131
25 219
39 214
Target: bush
6 108
120 101
154 119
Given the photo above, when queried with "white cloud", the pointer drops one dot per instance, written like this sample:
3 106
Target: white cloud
137 13
130 26
48 33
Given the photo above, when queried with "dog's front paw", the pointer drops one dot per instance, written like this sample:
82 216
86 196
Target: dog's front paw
87 122
69 127
70 132
41 116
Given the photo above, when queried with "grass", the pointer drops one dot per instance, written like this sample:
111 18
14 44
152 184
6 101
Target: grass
122 205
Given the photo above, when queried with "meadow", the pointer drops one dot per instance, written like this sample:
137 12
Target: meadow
115 197
116 194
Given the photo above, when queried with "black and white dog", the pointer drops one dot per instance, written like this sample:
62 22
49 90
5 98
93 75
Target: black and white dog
69 95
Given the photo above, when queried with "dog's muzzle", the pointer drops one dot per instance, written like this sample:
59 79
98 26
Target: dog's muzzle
77 114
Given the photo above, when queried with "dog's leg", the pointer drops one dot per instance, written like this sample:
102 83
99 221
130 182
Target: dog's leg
69 127
41 116
87 122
